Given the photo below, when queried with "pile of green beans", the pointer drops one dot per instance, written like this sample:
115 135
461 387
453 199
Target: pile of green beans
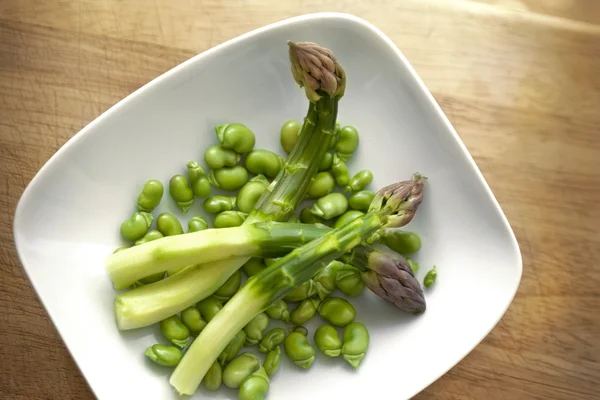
235 177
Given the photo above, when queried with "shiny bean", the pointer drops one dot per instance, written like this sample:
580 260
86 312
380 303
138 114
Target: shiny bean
181 192
216 204
271 339
360 181
337 311
230 287
236 137
340 172
174 330
193 320
330 206
321 185
167 356
264 162
347 142
136 227
251 192
228 219
400 241
198 180
328 341
168 225
218 157
361 200
298 350
290 131
356 342
239 369
228 178
197 224
150 196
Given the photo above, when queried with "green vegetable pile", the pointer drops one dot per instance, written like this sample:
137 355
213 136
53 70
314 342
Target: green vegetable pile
217 292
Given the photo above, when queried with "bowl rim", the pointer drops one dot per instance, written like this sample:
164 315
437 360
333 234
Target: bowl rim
118 106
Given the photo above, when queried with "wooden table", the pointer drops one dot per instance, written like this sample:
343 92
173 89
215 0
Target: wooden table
519 79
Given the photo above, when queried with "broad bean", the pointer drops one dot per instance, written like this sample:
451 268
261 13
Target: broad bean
181 192
305 311
290 131
230 287
239 369
168 225
328 341
330 206
174 330
256 328
347 217
322 184
298 350
198 180
150 196
264 162
218 157
197 224
228 219
361 200
167 356
216 204
136 227
340 171
236 137
272 339
251 192
360 181
228 178
356 342
400 241
337 311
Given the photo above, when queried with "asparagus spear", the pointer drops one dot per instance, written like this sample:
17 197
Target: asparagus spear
393 206
263 239
316 70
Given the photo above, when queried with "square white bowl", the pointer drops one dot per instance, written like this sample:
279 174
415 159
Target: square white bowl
67 220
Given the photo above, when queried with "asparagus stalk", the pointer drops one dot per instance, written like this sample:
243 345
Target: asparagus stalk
263 239
316 69
393 206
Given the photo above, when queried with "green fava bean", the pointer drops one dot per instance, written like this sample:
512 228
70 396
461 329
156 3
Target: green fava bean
264 162
326 162
198 180
232 348
290 131
168 225
308 217
347 142
197 224
174 330
218 203
251 192
239 369
361 200
230 287
236 137
413 265
254 266
192 318
328 341
270 261
301 330
325 279
340 171
322 184
337 311
360 181
272 339
272 361
347 217
305 311
214 377
304 291
150 197
430 278
181 192
356 342
298 350
152 278
256 328
148 237
349 281
209 307
400 241
229 219
330 206
255 387
136 227
218 157
228 178
279 310
167 356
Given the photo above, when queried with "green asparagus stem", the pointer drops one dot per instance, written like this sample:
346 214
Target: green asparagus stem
324 80
393 206
264 239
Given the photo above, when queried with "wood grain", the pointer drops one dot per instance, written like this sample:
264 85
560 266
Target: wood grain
519 79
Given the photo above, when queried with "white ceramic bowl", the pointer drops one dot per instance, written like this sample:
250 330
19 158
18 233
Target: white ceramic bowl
68 217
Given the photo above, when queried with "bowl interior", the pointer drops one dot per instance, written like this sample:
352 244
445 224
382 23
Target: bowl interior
68 219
